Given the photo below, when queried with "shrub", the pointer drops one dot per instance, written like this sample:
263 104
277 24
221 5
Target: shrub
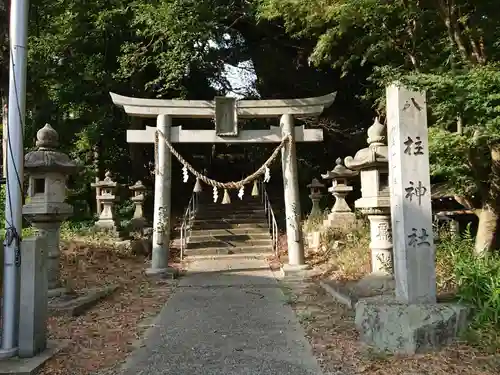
476 280
314 222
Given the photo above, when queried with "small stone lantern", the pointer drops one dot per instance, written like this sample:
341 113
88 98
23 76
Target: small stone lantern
138 198
47 171
373 164
315 187
107 197
341 214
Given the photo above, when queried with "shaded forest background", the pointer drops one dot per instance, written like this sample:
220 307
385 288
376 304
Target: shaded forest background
80 51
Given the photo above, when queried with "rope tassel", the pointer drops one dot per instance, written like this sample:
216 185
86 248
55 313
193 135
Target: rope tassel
255 189
267 174
226 199
197 186
216 194
241 192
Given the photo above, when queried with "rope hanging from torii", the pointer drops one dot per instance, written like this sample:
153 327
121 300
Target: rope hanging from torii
263 170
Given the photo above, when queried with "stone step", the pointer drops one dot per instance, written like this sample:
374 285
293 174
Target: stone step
231 215
202 236
243 220
228 244
217 224
229 210
237 205
195 233
214 251
229 256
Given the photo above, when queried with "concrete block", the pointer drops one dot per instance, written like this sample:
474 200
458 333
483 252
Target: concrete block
163 273
374 284
396 327
33 297
350 292
340 293
290 271
31 366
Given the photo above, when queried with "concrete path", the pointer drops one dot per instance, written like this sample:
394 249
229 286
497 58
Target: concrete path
227 317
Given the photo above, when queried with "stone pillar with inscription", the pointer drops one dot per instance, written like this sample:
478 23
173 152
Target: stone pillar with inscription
411 321
411 210
341 215
372 163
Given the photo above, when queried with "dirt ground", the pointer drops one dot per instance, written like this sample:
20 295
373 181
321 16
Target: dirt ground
331 332
330 327
102 337
105 335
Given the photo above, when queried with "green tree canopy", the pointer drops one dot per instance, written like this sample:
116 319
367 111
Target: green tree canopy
447 47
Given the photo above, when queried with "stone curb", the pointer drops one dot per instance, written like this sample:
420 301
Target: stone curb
81 304
31 366
337 295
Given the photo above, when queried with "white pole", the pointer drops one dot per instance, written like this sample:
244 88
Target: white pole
296 259
14 174
162 199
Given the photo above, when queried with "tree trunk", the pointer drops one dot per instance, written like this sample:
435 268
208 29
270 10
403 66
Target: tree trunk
486 230
488 216
460 125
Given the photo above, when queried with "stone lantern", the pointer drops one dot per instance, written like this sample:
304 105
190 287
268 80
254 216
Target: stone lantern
47 171
138 198
373 164
105 191
315 187
341 214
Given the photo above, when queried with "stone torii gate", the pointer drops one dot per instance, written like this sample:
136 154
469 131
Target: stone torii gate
225 111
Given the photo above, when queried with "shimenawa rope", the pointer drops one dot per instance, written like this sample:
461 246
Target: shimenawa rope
209 181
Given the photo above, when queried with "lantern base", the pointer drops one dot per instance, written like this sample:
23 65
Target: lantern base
340 220
163 273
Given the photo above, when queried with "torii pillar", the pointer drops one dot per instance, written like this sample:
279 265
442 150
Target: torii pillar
225 111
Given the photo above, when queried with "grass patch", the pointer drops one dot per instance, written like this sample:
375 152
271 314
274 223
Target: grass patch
344 255
289 297
314 222
305 316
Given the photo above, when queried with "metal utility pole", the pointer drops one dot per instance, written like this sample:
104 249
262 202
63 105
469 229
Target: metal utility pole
18 36
4 137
